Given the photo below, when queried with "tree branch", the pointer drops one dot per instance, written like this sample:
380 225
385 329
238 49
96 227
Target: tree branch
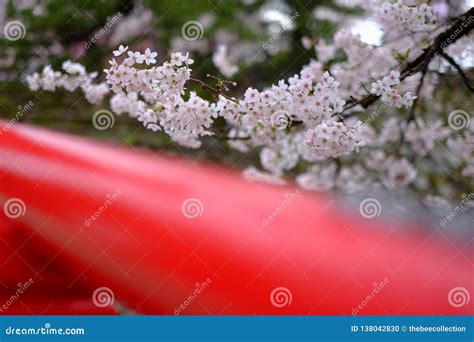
462 26
458 68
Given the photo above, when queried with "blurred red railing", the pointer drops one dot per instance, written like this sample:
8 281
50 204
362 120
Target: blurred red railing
147 247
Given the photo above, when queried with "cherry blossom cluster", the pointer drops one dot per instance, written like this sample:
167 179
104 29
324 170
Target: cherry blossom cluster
401 41
355 70
157 97
400 17
318 177
74 77
325 51
310 98
462 146
399 172
226 66
311 126
137 73
387 89
423 136
334 138
154 95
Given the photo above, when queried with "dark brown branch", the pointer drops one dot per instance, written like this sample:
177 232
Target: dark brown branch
456 66
461 27
214 91
364 102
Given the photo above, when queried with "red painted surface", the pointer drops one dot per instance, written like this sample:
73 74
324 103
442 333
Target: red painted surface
152 256
70 305
34 282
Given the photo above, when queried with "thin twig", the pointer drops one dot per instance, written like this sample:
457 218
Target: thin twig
456 66
213 90
461 27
